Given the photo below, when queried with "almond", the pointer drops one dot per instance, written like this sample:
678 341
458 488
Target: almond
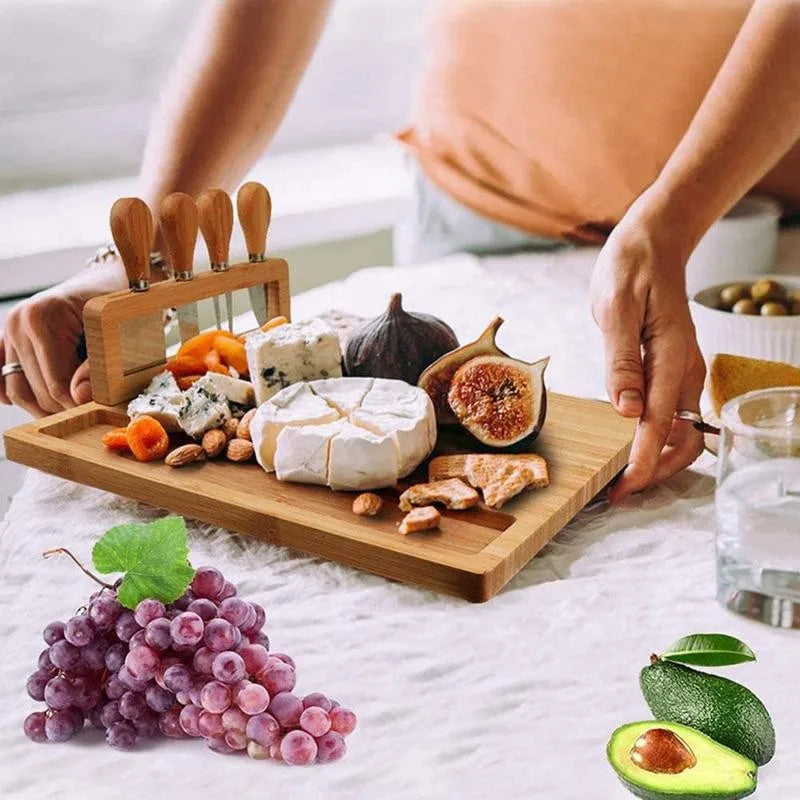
185 454
239 450
243 429
214 442
229 428
367 505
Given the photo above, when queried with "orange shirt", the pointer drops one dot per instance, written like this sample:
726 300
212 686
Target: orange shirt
552 115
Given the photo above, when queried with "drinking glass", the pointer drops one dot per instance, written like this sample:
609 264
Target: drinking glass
757 507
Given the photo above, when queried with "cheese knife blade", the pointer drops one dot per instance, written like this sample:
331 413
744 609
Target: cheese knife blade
254 206
178 222
215 211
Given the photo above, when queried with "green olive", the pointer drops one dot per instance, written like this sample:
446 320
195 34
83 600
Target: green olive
764 291
732 294
745 307
773 309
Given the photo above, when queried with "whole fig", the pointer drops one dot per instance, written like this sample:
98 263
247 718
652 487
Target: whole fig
398 344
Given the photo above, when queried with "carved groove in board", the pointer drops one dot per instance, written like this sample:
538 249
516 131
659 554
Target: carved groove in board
468 559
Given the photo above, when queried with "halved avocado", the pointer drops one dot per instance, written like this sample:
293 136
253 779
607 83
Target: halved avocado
682 763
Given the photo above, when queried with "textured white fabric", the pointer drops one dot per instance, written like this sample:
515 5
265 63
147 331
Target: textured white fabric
510 699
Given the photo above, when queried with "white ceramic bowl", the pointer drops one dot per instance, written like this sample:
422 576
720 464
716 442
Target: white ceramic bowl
772 338
743 242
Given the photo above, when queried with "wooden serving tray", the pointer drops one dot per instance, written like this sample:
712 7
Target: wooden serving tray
473 555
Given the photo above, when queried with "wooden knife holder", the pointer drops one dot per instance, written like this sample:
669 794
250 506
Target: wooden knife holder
127 322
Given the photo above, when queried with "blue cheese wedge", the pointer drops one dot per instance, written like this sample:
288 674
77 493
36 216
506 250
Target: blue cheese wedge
291 353
162 400
346 433
234 390
204 408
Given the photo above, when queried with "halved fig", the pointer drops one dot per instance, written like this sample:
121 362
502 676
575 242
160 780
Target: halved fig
436 379
501 401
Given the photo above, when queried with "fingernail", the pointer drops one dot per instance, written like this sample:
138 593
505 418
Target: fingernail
630 402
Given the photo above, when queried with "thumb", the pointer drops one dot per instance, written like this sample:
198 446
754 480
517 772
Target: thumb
624 373
80 387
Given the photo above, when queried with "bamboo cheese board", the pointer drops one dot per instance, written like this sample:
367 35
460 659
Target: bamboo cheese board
473 554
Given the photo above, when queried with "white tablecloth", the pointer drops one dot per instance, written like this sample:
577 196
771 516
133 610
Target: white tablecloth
513 698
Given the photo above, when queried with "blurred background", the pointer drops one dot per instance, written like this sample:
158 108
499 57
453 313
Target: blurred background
78 84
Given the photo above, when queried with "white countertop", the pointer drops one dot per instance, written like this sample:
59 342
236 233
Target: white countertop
514 698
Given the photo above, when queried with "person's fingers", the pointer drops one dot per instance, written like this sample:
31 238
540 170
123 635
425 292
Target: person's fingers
50 326
4 398
18 389
56 372
33 373
665 365
685 442
80 386
682 451
624 372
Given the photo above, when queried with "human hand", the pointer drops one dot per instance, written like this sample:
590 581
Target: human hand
42 334
653 365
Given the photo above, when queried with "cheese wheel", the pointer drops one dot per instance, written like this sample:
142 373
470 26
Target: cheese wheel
346 433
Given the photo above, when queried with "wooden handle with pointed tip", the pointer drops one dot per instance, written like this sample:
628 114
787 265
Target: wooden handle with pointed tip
254 206
177 218
132 229
215 211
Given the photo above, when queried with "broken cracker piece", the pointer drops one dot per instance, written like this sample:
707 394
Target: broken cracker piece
452 493
423 518
507 482
443 467
483 469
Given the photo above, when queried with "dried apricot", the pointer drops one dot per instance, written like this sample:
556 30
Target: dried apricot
199 345
147 438
213 363
186 365
116 439
232 354
274 323
185 381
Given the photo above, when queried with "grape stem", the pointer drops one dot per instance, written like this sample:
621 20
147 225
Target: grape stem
53 551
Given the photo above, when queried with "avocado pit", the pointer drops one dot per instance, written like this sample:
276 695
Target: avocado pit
660 750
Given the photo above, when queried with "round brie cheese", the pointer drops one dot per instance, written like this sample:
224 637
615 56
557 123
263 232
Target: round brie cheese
346 433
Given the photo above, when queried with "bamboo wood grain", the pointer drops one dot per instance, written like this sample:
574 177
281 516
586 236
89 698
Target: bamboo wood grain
473 556
106 316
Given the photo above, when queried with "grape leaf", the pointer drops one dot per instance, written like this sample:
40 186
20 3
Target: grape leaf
153 556
709 650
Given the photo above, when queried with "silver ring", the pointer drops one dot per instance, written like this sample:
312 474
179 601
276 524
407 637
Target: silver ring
689 416
11 368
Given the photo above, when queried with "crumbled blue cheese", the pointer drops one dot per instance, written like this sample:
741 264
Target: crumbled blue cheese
205 408
162 400
234 390
301 351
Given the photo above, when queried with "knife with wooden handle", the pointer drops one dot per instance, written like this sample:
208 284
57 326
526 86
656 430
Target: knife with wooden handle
215 211
254 206
132 230
178 222
142 339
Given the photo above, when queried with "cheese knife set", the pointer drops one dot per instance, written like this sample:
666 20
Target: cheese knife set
381 444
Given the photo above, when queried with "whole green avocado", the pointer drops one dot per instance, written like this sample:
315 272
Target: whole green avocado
724 710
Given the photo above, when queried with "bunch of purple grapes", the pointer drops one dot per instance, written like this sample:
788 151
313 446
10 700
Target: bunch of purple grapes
198 667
